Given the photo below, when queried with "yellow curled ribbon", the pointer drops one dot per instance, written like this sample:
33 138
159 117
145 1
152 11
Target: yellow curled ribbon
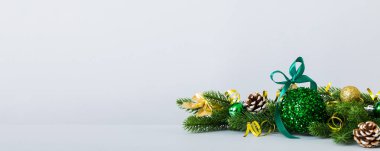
199 102
277 95
233 96
255 128
332 102
327 89
373 96
265 94
332 123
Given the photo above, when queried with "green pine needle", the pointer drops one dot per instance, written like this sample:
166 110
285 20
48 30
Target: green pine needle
319 129
216 98
377 121
352 113
216 122
343 137
239 121
203 124
180 101
332 95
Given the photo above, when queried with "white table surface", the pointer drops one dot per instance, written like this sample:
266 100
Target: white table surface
148 138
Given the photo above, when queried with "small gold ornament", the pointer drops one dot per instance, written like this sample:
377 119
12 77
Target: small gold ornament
233 96
349 93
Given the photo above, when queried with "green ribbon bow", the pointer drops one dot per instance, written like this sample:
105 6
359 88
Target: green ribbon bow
297 77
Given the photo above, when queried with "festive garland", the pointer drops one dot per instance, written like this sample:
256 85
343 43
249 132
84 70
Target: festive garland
344 114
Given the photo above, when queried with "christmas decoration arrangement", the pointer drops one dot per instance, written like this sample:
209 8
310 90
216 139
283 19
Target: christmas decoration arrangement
346 115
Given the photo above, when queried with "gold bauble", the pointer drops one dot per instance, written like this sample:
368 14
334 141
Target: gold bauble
349 93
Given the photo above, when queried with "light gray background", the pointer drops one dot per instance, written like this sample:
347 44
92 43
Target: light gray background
125 62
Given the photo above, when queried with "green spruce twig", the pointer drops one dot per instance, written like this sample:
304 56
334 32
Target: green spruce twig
319 129
216 98
239 121
343 136
180 101
217 121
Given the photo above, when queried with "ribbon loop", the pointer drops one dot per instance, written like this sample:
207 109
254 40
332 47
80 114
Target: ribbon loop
296 77
294 72
333 125
256 129
374 97
327 88
280 72
232 95
265 94
277 95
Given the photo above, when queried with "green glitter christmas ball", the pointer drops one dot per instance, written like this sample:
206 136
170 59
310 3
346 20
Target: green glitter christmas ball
300 107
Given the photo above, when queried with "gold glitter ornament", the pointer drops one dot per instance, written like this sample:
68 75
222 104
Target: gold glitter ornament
349 93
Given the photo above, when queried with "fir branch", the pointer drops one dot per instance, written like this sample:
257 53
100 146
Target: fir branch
319 129
203 124
377 121
350 108
335 93
239 121
367 99
352 113
331 90
344 136
332 95
330 109
180 101
357 114
216 98
217 121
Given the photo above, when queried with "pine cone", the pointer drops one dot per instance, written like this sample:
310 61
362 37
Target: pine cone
367 135
255 102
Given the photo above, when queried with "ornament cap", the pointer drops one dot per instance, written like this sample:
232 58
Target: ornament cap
369 108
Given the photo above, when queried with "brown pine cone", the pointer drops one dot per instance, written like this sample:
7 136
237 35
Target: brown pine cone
367 135
255 102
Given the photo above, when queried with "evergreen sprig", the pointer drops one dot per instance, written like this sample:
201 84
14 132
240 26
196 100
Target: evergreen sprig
344 136
319 129
377 121
332 95
352 114
216 98
366 98
217 121
180 101
239 121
